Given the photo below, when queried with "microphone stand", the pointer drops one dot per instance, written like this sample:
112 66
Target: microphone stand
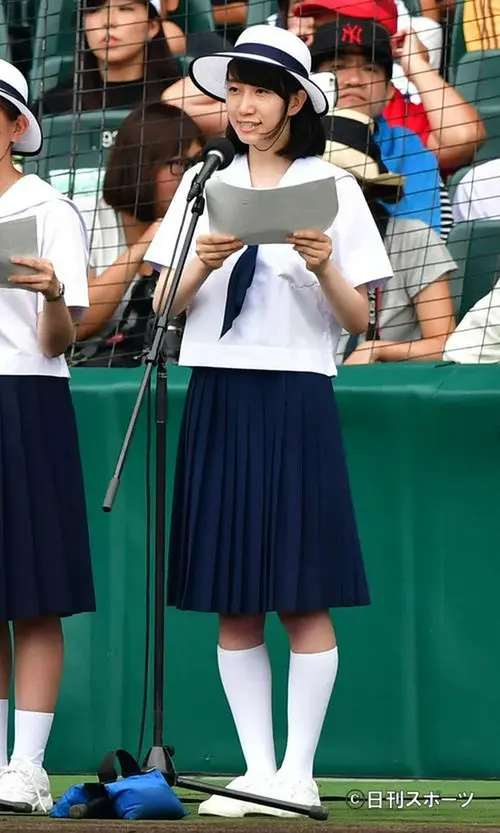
160 756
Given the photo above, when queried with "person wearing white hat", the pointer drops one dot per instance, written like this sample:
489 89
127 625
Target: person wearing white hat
45 564
262 518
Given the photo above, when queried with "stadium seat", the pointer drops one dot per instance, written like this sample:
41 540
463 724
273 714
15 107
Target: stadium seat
55 43
414 7
474 247
76 150
491 148
5 50
260 10
454 179
457 45
193 16
477 79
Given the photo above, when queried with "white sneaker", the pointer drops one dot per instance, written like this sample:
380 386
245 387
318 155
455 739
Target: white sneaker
24 788
234 808
297 792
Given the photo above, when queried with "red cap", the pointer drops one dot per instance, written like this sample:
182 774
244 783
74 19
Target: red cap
382 11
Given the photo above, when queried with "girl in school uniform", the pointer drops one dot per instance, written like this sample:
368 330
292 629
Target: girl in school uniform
45 568
262 518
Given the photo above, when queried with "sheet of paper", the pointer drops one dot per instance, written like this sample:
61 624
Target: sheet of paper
17 237
270 215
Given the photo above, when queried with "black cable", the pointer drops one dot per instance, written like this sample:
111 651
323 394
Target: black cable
148 576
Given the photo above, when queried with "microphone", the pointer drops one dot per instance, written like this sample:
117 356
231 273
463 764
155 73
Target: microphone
217 154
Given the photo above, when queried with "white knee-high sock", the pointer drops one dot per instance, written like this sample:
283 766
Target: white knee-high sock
31 735
4 728
311 679
246 678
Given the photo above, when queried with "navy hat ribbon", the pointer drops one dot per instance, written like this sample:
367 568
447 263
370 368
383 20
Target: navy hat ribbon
261 50
7 88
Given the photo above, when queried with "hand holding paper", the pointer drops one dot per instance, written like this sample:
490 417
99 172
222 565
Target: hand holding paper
214 249
313 246
38 276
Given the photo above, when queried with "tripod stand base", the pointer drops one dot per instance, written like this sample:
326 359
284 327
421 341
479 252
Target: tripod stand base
160 758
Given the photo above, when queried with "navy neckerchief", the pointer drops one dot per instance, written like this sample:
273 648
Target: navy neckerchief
239 282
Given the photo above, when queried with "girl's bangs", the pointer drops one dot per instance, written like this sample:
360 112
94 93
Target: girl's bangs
259 74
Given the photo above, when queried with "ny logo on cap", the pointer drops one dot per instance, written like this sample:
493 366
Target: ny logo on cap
352 34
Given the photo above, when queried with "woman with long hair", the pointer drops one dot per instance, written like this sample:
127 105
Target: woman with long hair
123 59
123 62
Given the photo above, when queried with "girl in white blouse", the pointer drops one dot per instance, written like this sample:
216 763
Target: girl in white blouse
45 568
262 517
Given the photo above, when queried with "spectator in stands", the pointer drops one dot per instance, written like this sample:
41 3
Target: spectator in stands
124 59
411 316
393 14
45 564
476 339
359 52
477 195
447 124
154 146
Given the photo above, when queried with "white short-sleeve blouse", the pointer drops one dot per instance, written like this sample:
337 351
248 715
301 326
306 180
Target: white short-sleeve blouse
62 239
286 322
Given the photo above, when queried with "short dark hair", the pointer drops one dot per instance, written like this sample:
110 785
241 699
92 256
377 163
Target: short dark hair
10 110
307 135
149 138
160 66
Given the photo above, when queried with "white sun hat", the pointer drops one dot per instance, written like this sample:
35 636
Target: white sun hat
14 88
264 44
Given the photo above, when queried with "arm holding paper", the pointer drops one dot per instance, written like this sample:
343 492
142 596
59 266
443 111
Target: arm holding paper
37 266
55 326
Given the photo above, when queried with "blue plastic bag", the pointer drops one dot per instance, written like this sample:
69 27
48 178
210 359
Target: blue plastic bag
136 795
145 796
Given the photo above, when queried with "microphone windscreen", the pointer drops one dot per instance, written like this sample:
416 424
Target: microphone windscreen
222 146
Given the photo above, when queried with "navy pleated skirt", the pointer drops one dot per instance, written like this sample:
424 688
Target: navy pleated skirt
262 517
45 566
